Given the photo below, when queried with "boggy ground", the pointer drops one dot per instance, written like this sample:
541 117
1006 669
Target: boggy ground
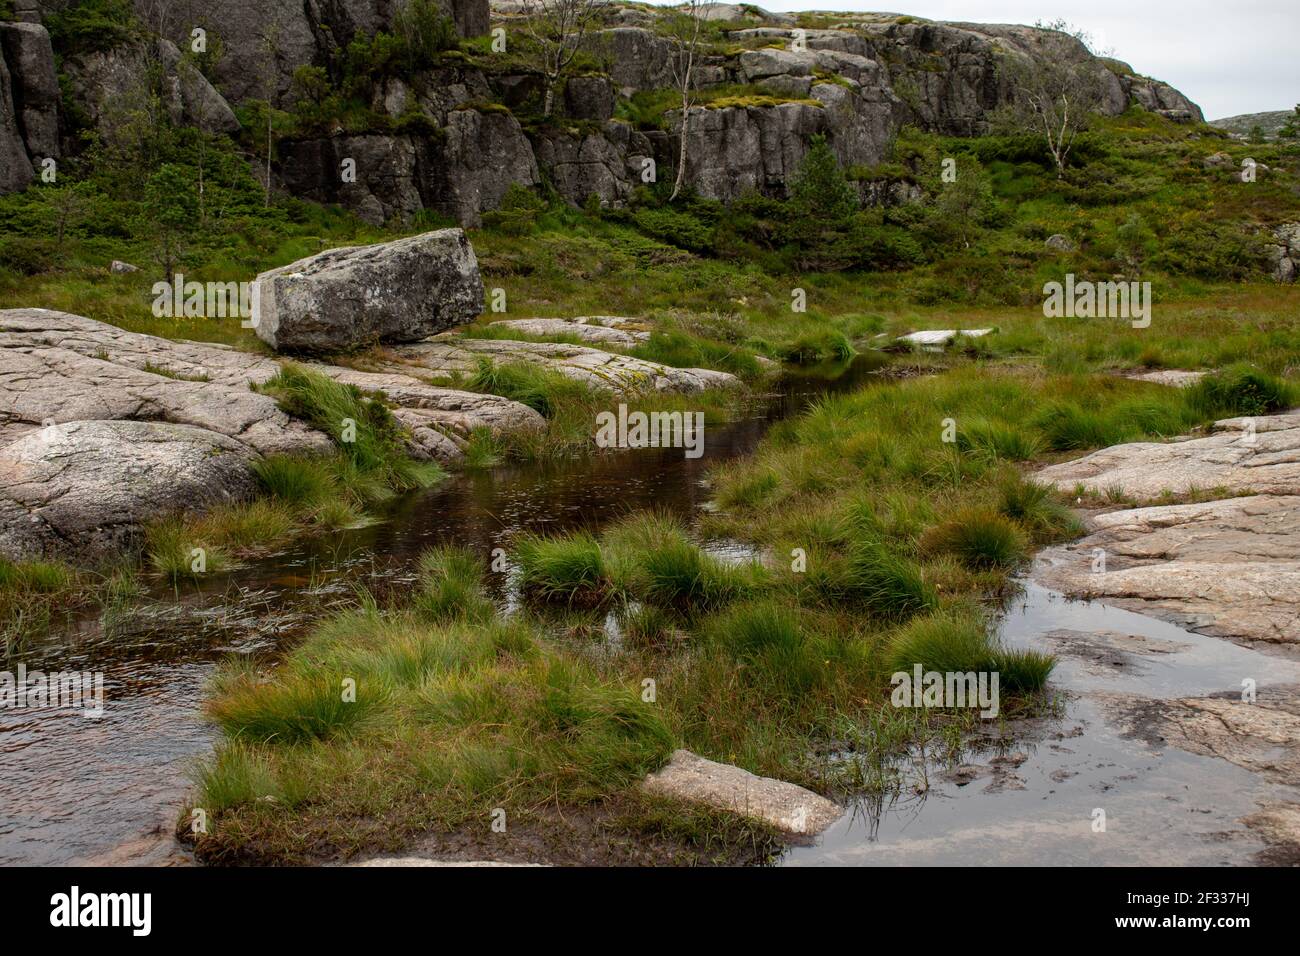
774 664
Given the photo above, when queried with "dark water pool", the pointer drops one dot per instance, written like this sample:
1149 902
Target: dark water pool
107 790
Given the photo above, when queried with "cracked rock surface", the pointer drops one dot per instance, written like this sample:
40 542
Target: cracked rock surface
86 487
1258 455
446 355
1229 568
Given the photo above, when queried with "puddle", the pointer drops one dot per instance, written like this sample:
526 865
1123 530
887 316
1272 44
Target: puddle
1162 806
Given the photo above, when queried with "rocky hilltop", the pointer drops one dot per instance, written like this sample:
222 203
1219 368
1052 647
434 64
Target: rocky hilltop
452 135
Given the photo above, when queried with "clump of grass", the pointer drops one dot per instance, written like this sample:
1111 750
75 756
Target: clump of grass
451 586
298 481
1033 507
648 626
484 450
683 350
361 426
677 573
957 640
544 390
1241 390
301 707
767 640
33 593
175 550
819 346
980 537
876 577
998 440
569 569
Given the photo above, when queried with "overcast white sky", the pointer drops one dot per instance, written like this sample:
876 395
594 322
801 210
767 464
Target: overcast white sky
1229 56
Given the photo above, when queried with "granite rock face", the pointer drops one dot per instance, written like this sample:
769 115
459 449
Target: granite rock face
33 87
1258 455
85 407
343 299
85 488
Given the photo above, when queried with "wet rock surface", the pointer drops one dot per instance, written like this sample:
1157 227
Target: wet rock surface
1262 736
783 805
1230 568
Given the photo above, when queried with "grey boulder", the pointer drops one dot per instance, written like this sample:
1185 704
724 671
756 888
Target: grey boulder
341 299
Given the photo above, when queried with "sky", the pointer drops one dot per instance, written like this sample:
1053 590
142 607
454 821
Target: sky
1239 56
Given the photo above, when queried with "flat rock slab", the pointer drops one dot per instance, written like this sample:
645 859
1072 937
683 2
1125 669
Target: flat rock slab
605 371
62 370
783 805
86 487
1173 377
357 296
598 330
1241 455
56 367
940 338
1262 737
1229 568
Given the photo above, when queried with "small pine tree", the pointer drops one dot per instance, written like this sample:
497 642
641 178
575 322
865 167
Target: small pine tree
820 189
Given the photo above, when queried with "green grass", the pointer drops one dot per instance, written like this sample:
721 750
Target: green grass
569 569
541 389
980 538
950 642
1241 390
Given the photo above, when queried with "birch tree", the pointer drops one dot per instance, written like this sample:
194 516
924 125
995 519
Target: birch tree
1055 98
684 28
559 28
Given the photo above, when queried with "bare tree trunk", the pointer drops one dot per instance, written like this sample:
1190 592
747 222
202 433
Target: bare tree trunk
680 179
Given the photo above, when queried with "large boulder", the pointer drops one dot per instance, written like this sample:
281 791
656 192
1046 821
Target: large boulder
399 291
86 488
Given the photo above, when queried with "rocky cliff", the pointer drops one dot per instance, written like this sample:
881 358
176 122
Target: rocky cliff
454 136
